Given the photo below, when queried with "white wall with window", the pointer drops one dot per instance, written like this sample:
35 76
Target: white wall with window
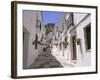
32 22
74 53
83 31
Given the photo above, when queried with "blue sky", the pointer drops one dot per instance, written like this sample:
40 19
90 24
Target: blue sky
51 16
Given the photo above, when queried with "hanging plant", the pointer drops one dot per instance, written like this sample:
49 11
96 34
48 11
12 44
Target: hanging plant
35 42
78 41
65 44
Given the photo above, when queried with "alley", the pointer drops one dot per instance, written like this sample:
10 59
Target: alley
46 60
56 43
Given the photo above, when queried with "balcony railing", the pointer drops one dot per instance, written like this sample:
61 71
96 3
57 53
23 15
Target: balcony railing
70 21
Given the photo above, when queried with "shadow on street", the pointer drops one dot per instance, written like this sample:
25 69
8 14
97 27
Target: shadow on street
45 60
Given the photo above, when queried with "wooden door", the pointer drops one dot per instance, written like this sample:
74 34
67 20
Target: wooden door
74 57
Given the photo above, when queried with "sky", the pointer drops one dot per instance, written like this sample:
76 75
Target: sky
51 16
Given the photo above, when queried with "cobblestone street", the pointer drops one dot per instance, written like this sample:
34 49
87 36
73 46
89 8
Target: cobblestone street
46 60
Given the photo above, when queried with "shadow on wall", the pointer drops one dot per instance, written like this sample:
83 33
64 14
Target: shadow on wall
25 46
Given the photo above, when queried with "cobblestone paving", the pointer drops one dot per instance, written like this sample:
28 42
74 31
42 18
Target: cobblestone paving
45 60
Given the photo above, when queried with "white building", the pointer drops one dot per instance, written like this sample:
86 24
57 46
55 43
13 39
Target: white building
33 33
73 42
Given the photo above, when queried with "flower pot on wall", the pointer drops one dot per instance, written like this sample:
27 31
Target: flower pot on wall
65 44
78 41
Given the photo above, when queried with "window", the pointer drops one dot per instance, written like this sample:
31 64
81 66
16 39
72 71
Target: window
38 24
87 31
69 21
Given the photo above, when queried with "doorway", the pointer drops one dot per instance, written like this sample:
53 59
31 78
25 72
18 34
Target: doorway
74 55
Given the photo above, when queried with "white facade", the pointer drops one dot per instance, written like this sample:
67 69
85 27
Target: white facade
83 55
73 31
32 26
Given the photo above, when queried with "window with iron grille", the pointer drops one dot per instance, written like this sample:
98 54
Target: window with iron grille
87 33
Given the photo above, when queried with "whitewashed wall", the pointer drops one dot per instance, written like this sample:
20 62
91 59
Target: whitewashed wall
30 25
84 57
78 17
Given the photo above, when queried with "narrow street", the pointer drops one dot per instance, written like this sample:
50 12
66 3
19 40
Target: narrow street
46 60
52 40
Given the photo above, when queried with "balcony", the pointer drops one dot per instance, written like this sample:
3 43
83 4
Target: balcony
70 21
